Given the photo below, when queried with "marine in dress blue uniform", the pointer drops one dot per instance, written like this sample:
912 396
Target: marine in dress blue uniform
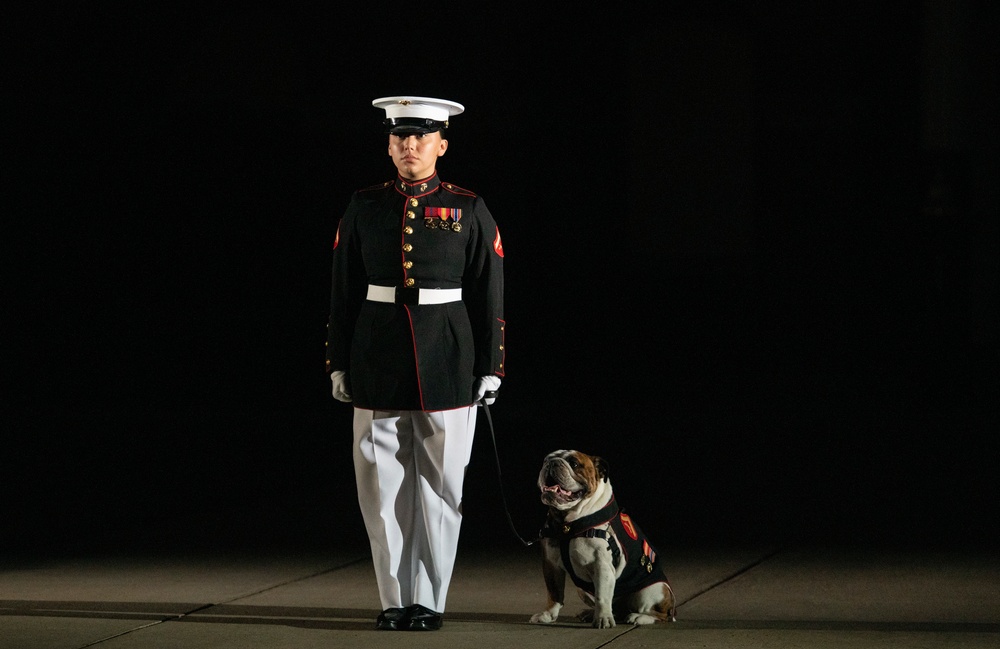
415 340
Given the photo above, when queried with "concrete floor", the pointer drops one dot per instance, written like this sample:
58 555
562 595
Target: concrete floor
247 539
799 596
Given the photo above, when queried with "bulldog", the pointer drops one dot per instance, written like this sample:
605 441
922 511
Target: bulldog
587 537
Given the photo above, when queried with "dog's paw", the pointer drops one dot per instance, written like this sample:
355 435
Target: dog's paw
641 618
604 622
595 619
545 617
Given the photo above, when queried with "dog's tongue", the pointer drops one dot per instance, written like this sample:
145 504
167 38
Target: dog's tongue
558 490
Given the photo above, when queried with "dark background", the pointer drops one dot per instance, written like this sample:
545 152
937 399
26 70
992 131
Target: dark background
751 260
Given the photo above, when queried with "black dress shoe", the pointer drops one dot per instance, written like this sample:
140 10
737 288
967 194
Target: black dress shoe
392 619
422 618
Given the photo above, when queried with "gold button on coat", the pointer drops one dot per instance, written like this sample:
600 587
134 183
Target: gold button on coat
414 202
407 264
408 230
410 281
407 247
410 214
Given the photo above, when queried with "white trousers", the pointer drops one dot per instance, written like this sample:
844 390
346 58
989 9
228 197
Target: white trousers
410 466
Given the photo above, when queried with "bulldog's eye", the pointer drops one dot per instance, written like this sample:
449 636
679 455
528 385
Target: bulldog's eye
573 463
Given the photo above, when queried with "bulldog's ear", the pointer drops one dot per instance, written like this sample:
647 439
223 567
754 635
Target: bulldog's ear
603 470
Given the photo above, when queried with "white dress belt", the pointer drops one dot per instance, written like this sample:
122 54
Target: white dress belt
395 295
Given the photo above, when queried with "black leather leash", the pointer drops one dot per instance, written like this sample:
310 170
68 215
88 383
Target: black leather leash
496 455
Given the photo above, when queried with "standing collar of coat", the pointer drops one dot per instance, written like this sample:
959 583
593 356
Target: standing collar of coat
417 188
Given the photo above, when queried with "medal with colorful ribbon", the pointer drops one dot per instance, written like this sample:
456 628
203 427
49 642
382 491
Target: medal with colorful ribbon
445 214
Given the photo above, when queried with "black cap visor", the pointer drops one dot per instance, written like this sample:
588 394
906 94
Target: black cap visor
411 125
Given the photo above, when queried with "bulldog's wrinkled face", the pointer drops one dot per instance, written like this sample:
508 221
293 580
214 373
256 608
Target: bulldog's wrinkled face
567 477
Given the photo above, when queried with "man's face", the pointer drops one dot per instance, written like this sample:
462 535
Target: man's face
415 155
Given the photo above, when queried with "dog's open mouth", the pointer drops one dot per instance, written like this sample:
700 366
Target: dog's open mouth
559 493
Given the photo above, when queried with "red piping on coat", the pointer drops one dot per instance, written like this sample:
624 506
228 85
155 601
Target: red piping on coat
416 361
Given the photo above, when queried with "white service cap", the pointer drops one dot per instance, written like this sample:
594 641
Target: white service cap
417 114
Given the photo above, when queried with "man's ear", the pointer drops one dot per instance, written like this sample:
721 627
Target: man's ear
443 147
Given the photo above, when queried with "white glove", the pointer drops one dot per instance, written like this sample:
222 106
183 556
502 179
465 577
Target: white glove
486 384
339 379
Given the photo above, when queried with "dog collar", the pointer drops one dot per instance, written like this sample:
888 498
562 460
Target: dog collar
558 530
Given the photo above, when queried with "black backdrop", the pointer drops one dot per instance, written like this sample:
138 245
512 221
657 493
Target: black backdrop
751 261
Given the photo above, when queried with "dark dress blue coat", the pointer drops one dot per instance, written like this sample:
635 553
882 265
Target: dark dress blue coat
423 234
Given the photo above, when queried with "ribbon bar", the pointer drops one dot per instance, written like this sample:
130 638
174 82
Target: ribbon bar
444 213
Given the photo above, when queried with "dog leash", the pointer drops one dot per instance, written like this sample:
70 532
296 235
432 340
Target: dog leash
496 455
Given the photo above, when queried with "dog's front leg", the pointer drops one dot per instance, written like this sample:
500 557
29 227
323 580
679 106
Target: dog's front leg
604 593
555 584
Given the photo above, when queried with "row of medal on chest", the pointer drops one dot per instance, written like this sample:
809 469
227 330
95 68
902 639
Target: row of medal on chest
433 222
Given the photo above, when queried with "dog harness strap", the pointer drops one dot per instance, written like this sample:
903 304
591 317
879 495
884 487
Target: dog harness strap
616 556
585 527
623 542
616 551
554 529
568 564
600 517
